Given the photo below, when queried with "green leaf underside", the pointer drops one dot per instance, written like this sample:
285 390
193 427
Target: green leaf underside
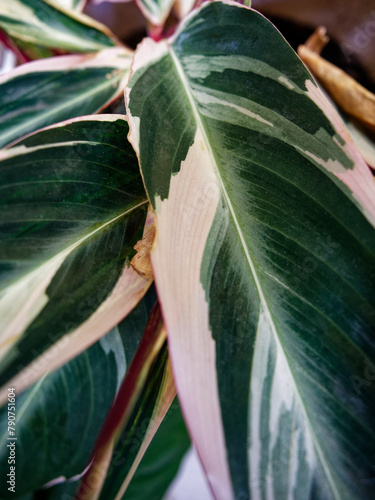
72 209
59 418
46 92
42 23
155 11
288 264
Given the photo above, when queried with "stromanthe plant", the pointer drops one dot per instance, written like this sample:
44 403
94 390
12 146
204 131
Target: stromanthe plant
230 165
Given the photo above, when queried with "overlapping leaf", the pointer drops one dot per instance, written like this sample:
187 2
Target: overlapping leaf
264 259
46 24
45 92
72 209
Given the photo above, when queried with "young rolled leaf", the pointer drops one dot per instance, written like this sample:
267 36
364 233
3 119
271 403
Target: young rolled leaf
68 230
47 24
42 93
145 395
264 259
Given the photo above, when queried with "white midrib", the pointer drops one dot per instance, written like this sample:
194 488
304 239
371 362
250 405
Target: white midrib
54 111
252 268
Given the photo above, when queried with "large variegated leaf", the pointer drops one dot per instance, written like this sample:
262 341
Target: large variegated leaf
47 24
264 260
146 394
42 93
72 209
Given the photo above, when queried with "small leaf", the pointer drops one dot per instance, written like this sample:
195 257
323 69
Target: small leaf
59 417
352 97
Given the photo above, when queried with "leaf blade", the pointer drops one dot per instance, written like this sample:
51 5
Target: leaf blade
260 249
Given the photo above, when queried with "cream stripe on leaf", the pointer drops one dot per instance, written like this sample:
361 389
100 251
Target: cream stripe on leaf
264 259
72 209
41 93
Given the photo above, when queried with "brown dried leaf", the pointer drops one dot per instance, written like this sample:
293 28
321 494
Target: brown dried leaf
344 90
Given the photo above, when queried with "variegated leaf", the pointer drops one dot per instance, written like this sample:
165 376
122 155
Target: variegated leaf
146 394
42 93
44 23
72 209
264 260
